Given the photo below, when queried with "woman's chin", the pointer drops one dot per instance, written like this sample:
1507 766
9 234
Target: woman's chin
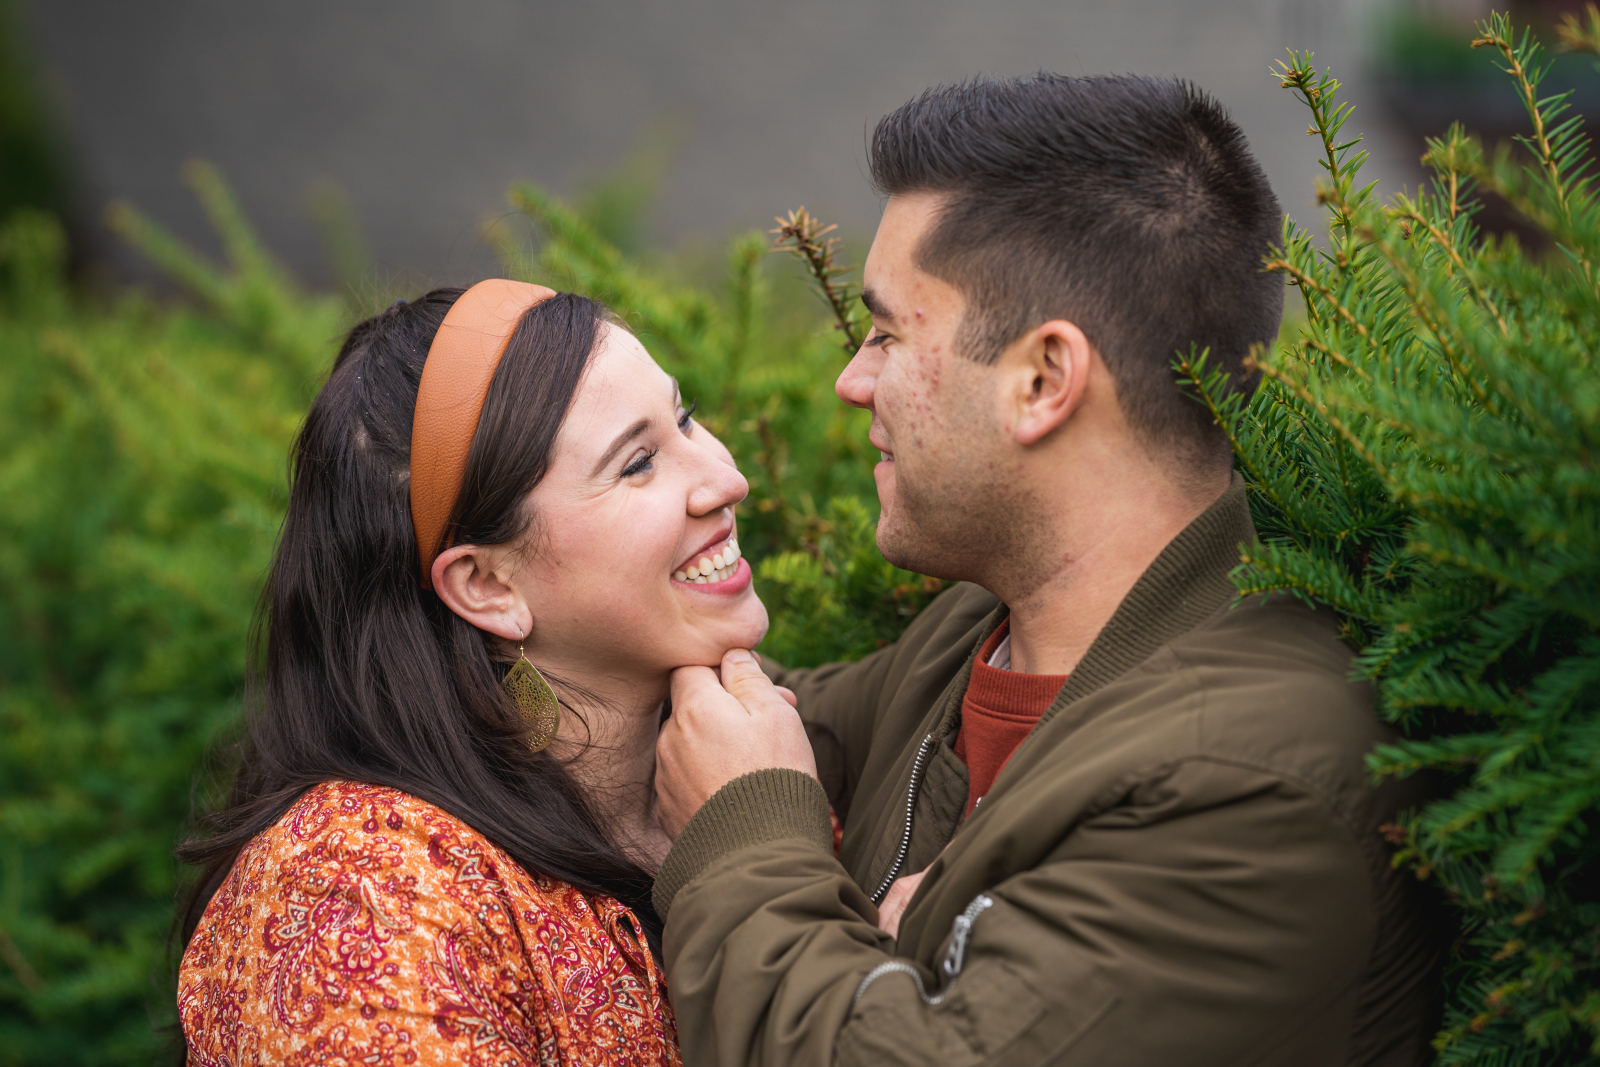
746 631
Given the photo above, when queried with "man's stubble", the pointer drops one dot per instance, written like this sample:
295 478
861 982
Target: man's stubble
962 513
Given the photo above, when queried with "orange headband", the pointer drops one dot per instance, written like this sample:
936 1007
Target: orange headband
455 380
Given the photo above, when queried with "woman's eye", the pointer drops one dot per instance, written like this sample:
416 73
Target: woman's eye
687 416
640 465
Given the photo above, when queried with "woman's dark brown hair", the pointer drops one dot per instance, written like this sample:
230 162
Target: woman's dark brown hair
365 676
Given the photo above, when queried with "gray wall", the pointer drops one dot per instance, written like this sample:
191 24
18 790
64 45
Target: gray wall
426 112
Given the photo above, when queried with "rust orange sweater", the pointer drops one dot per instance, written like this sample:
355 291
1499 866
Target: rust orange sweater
1000 708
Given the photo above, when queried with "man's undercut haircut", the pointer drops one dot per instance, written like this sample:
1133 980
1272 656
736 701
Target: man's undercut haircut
1130 206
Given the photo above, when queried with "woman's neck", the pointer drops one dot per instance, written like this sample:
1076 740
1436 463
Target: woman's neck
611 752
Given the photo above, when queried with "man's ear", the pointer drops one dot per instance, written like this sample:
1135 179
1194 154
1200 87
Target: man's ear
1050 370
468 579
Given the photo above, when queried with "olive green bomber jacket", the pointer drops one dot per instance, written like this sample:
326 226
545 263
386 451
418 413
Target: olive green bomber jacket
1182 863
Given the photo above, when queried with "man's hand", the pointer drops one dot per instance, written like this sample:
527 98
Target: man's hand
894 903
722 730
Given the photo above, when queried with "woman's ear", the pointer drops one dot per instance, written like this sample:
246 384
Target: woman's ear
1052 364
468 579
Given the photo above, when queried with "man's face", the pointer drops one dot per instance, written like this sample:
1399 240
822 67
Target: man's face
935 415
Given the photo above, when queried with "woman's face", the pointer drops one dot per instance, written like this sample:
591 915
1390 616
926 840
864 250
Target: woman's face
637 501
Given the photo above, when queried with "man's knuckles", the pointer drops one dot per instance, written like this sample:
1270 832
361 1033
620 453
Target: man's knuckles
687 681
752 688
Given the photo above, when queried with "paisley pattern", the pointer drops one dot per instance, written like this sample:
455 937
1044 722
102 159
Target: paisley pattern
369 927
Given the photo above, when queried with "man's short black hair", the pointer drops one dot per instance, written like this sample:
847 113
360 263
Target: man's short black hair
1130 206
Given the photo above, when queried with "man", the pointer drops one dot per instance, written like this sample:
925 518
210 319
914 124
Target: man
1095 812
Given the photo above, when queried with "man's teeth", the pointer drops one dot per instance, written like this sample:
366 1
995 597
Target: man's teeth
885 455
716 568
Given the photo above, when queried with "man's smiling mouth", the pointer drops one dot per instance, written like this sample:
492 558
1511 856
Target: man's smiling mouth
877 438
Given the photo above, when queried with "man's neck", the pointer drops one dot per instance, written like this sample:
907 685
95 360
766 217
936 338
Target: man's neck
1056 616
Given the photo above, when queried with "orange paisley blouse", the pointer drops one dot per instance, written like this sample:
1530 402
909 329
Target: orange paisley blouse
369 927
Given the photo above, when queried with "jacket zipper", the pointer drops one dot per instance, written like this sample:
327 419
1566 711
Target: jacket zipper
961 933
954 956
911 807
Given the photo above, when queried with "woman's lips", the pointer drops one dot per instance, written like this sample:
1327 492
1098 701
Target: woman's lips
712 566
738 580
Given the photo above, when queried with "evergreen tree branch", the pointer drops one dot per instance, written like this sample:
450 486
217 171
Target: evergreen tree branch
1307 397
1554 146
1211 389
1427 308
1522 64
1336 356
1452 156
804 236
1407 211
1308 283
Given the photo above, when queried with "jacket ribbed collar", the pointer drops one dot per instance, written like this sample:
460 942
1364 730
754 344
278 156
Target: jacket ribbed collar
1187 584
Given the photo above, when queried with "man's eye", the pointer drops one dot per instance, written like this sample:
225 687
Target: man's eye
877 340
687 417
640 465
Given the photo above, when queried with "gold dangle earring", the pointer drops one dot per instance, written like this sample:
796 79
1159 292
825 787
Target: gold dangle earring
532 695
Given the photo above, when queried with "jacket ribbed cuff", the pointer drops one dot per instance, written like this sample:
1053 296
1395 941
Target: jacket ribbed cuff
770 805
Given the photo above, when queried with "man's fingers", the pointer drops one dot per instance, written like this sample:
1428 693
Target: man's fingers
894 903
720 730
693 685
742 676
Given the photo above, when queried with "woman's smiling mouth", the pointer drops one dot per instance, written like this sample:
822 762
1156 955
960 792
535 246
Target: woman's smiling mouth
712 566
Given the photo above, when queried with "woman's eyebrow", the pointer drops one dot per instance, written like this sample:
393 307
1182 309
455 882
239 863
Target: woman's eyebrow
617 445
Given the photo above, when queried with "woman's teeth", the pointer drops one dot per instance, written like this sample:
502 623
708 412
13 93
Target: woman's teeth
714 568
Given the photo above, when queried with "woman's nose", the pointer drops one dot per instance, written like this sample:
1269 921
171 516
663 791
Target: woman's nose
720 485
859 380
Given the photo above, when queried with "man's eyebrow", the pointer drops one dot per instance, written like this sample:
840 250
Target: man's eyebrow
616 446
876 306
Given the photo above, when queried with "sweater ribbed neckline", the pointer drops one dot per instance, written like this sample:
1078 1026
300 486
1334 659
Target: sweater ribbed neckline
1007 694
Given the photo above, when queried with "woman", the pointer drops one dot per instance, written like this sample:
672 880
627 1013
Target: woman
426 858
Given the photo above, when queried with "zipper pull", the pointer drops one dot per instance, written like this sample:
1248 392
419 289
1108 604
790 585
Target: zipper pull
961 933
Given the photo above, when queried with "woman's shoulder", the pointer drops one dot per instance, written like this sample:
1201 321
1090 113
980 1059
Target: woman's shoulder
334 811
389 844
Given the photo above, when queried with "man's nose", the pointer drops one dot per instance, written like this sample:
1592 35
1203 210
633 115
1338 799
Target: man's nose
859 379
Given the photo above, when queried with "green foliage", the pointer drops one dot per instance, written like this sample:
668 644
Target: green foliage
141 460
837 597
1424 459
143 452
